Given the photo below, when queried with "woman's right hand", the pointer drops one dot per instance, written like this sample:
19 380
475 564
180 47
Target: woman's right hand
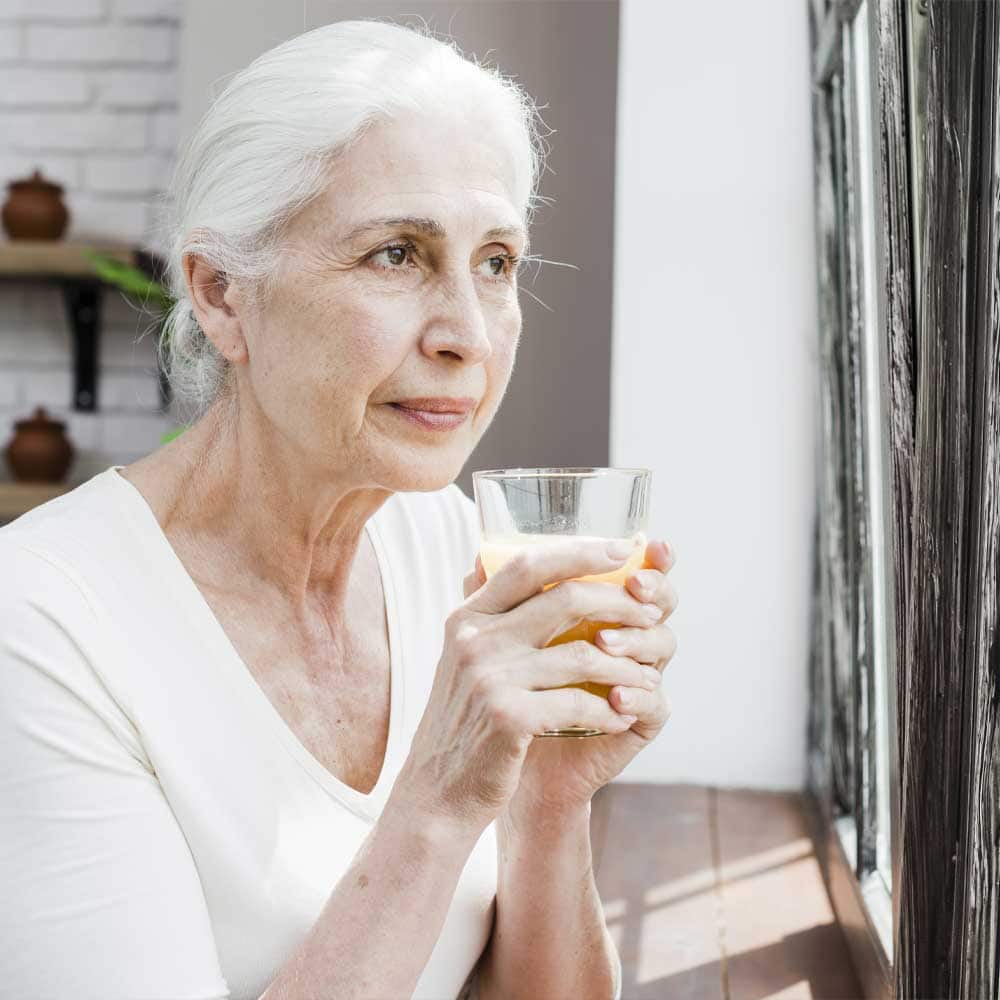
497 685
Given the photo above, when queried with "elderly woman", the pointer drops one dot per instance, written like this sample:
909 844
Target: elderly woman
266 728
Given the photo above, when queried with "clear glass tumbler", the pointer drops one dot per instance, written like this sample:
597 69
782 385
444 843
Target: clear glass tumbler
523 507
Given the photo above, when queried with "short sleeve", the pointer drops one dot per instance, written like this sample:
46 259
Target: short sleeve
101 894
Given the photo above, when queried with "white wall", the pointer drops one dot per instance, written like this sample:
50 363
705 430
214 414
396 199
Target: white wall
715 367
89 96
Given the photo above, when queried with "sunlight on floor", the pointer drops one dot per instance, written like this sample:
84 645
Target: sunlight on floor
732 909
800 991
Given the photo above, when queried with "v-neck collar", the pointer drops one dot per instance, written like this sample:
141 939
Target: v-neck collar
191 601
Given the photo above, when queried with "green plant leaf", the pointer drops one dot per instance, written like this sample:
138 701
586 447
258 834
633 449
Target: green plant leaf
132 281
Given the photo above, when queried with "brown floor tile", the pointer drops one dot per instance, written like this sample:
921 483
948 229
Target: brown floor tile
811 964
735 913
754 822
653 867
780 933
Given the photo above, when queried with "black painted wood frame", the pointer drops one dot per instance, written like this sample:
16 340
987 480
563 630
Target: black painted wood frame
939 320
949 673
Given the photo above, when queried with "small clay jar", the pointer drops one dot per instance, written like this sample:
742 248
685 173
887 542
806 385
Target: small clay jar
34 209
39 452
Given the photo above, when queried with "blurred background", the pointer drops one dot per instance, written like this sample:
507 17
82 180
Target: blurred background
682 338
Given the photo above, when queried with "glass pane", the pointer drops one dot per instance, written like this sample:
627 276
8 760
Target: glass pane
842 652
875 426
858 533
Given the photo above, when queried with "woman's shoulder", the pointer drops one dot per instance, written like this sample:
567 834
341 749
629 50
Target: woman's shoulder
52 558
61 560
83 522
53 633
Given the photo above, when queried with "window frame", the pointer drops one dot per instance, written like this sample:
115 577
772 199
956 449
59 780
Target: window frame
857 532
943 342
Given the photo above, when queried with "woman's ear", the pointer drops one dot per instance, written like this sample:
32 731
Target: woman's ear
212 301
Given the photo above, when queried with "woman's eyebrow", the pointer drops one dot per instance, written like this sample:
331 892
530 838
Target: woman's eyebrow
430 228
507 233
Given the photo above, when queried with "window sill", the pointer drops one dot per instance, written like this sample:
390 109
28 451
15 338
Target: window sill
863 910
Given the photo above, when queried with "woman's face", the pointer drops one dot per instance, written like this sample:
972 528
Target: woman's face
370 309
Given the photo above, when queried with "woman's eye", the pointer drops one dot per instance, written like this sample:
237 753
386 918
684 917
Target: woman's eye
501 264
395 255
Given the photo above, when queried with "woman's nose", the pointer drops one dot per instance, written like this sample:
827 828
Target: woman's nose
457 325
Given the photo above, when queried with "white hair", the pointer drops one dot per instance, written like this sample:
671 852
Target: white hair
262 151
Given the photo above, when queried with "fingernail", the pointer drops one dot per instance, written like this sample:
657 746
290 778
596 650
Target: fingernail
619 549
652 611
626 698
652 675
630 719
611 638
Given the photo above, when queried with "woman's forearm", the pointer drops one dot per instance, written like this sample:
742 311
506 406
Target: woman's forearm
549 938
381 922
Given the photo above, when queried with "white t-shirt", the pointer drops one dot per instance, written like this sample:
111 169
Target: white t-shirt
163 833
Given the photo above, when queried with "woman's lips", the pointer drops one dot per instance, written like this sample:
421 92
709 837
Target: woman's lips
430 420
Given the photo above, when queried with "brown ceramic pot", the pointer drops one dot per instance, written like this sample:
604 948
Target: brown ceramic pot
39 452
34 210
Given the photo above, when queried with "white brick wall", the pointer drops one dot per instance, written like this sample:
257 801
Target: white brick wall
27 87
65 170
124 174
148 10
71 10
89 96
68 44
85 131
11 42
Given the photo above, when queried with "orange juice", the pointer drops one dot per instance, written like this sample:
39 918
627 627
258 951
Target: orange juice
497 551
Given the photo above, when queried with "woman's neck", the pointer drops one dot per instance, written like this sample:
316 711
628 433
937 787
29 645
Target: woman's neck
254 514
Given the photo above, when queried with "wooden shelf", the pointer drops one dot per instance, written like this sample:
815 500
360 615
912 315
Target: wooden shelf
18 498
56 258
65 264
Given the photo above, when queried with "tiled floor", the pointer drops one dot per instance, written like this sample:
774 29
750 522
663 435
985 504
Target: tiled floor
716 895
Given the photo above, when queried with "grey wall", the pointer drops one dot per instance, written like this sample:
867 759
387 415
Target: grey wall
564 52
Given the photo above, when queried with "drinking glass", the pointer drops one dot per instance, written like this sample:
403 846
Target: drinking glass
519 508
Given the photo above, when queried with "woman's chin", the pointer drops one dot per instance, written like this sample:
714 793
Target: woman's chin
427 465
428 478
424 473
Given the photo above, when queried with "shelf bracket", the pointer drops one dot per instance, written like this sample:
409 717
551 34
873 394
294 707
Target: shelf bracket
83 305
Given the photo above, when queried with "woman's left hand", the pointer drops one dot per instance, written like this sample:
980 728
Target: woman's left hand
560 775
